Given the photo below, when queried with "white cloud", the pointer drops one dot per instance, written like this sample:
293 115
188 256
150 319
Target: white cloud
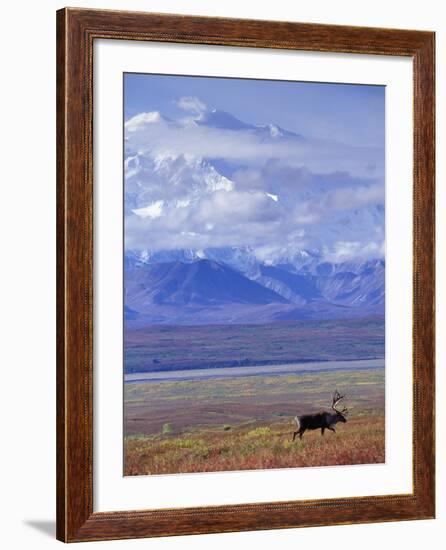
237 207
274 195
183 203
142 119
147 135
152 211
343 251
316 208
192 104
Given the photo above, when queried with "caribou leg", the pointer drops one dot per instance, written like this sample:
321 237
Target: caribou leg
300 433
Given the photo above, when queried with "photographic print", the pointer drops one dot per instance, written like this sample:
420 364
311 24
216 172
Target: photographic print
245 275
254 274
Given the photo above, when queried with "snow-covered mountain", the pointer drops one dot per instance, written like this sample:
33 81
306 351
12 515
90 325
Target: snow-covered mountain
216 118
181 179
225 121
147 177
209 227
168 184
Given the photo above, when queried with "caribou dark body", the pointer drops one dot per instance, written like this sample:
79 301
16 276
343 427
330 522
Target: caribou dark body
321 421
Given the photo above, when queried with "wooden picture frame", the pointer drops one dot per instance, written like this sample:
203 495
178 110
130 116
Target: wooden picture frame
76 31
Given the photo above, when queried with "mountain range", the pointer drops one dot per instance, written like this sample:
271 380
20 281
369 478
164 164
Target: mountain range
302 226
227 286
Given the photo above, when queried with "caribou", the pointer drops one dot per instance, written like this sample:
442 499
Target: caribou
322 420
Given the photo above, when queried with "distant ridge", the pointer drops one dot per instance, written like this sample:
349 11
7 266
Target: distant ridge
200 283
203 291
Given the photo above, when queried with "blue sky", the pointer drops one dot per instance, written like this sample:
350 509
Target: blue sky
350 113
291 166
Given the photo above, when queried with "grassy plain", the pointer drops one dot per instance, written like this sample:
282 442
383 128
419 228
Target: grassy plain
164 347
247 422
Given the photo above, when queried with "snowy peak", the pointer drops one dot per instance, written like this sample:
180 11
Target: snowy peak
223 120
181 179
214 118
276 132
143 119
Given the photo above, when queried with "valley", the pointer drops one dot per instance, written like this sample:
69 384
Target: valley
156 348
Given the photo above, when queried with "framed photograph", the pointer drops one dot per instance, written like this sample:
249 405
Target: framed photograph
245 275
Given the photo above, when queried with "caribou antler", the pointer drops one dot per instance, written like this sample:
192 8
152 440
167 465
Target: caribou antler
336 398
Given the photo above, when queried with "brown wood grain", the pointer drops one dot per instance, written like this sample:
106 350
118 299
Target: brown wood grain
76 31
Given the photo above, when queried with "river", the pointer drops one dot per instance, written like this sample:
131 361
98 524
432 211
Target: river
233 372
